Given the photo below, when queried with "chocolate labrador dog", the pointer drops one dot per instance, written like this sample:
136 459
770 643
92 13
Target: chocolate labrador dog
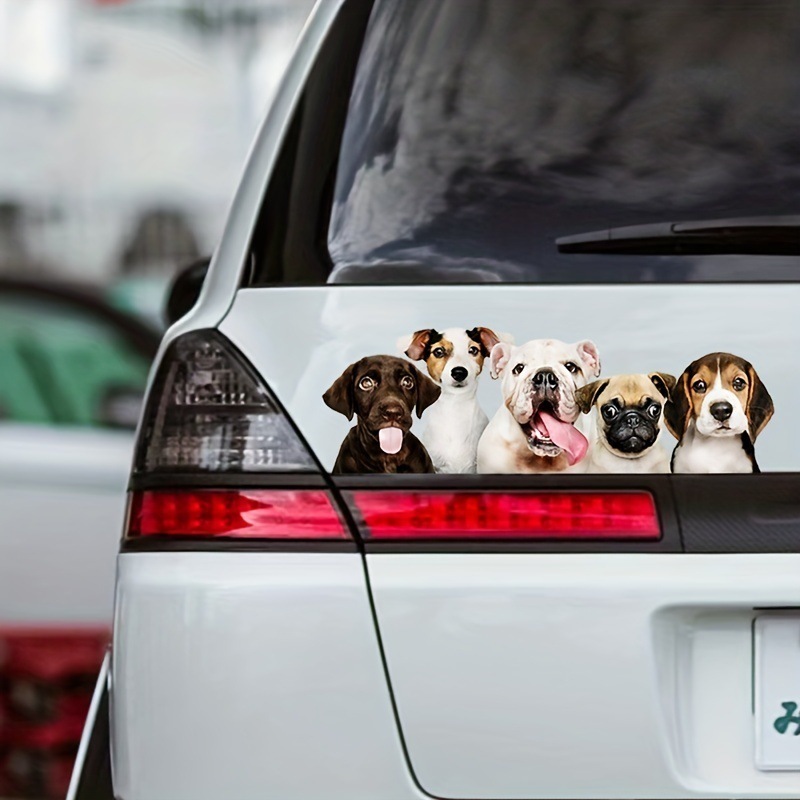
381 391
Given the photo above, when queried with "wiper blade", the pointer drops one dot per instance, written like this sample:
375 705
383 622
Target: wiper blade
778 236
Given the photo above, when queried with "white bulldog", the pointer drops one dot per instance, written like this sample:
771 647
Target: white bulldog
534 430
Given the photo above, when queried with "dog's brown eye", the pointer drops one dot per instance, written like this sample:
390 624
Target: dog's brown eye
439 352
739 384
518 369
654 410
572 367
473 351
407 382
366 384
700 387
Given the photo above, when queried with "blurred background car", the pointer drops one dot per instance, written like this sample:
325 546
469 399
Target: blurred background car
73 369
124 125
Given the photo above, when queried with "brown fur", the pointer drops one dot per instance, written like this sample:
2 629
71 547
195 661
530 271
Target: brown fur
633 389
388 400
436 364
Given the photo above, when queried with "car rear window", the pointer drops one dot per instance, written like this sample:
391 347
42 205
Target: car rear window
479 132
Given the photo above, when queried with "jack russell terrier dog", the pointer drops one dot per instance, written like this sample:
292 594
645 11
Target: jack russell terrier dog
629 421
454 359
716 412
534 431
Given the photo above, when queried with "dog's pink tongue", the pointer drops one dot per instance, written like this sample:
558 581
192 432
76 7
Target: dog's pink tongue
390 439
566 436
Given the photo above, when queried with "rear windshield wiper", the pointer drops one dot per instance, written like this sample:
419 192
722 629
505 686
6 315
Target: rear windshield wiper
778 236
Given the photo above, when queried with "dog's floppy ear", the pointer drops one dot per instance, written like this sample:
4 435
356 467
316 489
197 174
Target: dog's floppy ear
427 392
760 407
590 356
485 337
664 382
498 359
339 396
678 409
587 395
419 341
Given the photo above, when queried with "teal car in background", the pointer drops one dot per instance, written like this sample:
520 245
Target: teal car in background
67 358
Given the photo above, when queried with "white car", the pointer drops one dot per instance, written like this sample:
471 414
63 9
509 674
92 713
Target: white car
625 172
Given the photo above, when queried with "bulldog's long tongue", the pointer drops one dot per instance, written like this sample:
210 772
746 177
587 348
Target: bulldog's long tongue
563 434
390 440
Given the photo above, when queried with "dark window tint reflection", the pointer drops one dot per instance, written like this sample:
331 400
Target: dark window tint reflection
480 131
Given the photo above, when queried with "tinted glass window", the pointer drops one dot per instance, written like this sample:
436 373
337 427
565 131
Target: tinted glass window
480 131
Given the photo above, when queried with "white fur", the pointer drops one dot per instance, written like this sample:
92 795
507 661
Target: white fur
503 436
710 454
455 422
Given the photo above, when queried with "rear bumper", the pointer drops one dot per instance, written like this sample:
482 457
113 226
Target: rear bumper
250 675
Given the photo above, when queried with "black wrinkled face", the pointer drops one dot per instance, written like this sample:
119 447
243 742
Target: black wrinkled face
631 429
384 393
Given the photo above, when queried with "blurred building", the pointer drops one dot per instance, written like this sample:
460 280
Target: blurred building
124 125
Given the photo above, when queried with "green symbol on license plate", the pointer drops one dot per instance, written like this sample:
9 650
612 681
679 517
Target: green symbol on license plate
782 723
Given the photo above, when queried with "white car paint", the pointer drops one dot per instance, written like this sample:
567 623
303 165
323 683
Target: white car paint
539 675
250 675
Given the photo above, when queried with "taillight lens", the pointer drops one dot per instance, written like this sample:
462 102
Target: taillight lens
209 412
421 515
285 514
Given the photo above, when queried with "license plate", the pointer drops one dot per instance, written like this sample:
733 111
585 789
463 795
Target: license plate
777 691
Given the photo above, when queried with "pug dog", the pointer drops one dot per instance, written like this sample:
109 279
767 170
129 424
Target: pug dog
629 422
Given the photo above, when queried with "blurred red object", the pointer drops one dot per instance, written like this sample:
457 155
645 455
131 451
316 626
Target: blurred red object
47 676
51 654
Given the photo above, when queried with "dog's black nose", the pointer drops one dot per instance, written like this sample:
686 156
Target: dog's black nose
392 413
545 379
721 411
632 418
459 373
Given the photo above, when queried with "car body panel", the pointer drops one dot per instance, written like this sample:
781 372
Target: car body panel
545 675
250 675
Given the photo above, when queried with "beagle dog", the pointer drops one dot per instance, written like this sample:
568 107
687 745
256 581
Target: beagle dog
717 410
629 422
534 429
454 359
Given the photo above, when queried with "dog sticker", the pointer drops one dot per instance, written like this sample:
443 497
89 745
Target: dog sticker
381 392
716 412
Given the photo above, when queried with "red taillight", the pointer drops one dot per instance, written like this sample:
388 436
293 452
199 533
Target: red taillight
286 514
402 515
